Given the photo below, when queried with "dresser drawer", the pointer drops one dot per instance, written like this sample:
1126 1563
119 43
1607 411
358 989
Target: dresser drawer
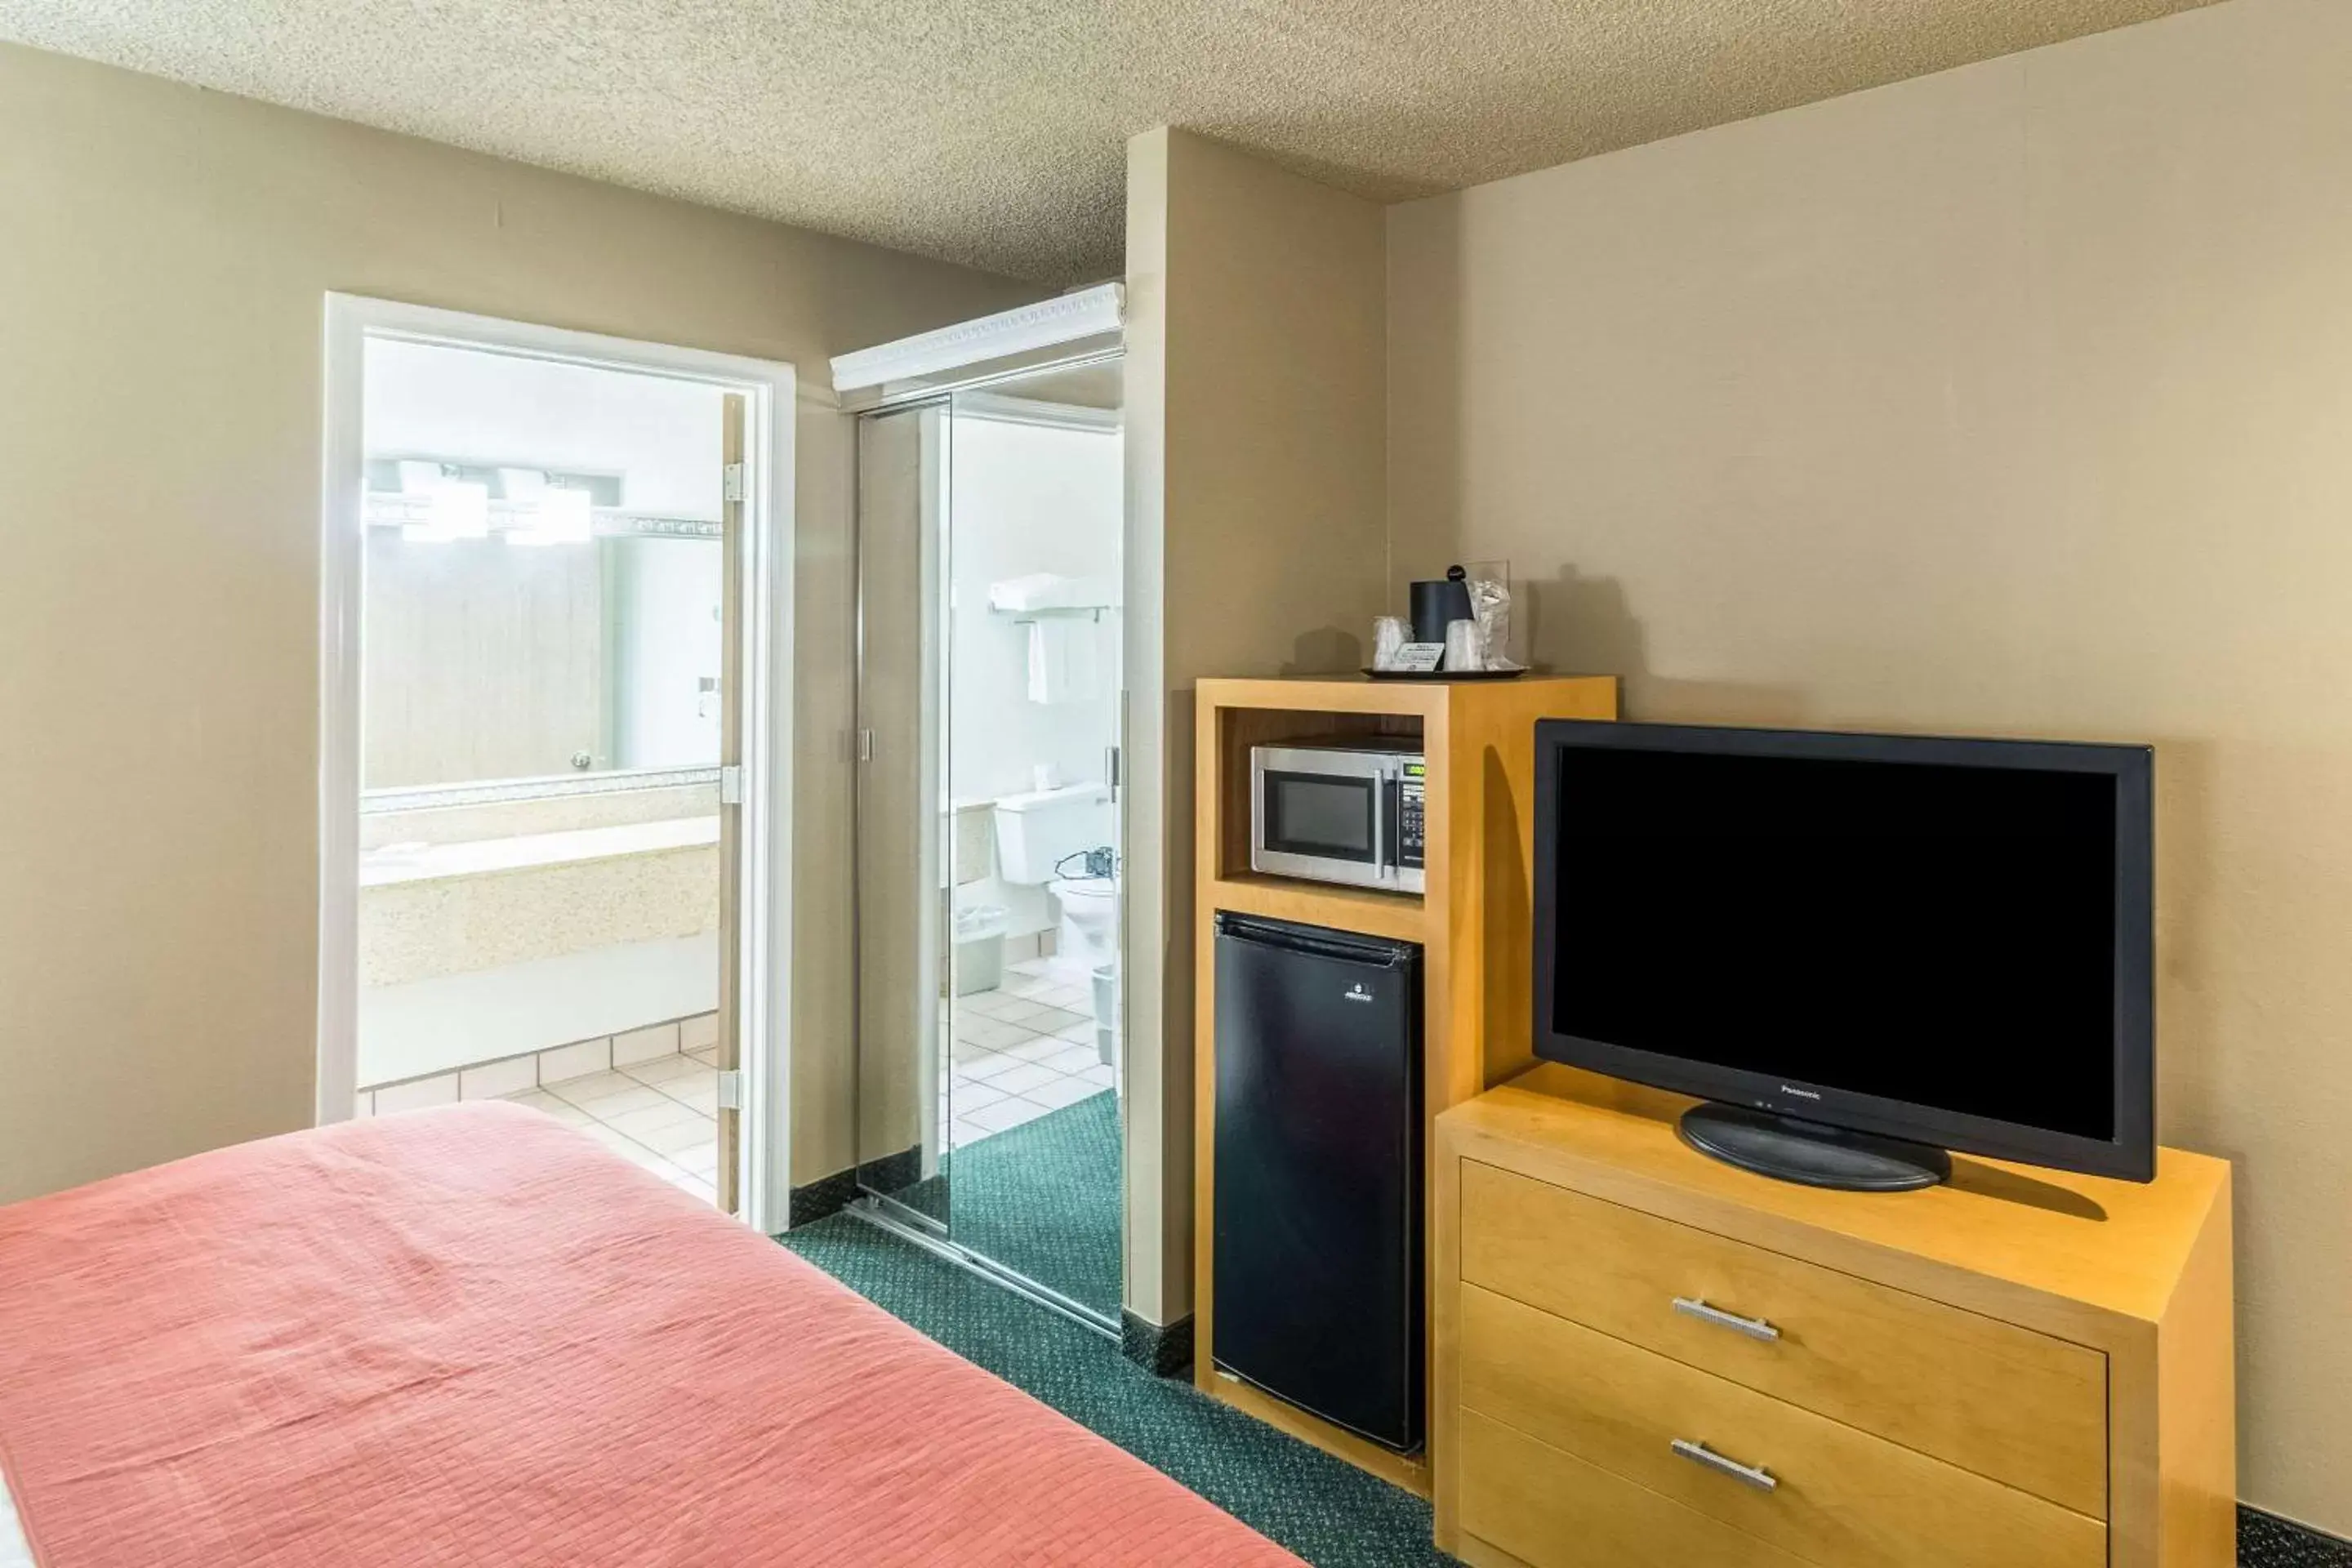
1551 1510
1986 1395
1835 1495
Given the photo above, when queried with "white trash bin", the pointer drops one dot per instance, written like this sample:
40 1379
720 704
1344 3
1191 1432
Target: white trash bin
1106 979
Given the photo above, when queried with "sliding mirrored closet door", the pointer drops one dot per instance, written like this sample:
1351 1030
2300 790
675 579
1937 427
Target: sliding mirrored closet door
1034 510
990 874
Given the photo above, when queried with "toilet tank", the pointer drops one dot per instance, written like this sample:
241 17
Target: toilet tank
1036 831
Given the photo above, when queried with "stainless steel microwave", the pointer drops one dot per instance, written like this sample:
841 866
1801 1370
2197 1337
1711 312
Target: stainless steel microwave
1346 813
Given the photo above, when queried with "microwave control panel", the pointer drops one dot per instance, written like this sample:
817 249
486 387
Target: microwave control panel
1410 789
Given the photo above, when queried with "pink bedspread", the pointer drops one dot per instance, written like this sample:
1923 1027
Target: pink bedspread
473 1336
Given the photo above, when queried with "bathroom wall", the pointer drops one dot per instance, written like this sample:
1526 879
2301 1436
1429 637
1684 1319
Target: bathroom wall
1024 498
462 405
663 602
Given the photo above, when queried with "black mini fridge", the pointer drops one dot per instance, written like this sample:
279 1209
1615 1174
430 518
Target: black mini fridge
1317 1189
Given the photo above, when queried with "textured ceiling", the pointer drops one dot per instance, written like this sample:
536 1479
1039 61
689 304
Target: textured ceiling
992 131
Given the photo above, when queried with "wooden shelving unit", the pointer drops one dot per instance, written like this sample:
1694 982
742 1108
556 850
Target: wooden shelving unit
1473 923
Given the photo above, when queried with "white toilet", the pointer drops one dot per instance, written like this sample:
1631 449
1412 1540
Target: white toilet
1087 949
1089 937
1039 835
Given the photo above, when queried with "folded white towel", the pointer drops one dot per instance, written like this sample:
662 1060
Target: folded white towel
1064 665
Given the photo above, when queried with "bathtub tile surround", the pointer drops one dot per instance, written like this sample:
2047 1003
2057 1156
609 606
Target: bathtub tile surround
415 1096
646 1045
496 1080
649 1095
675 1058
455 1021
575 1060
478 950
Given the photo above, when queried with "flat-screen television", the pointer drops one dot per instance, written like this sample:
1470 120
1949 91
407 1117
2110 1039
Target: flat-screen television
1863 950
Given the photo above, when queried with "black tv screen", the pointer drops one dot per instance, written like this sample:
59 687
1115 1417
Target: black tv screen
1945 941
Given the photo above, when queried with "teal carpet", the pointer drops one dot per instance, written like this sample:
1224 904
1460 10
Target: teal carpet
1327 1512
1042 1201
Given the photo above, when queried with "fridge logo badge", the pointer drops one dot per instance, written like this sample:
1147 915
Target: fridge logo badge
1358 991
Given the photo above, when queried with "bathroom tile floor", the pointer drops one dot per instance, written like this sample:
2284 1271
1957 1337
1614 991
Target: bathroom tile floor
662 1114
1020 1050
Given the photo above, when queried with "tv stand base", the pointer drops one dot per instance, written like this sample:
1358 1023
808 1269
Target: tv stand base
1810 1154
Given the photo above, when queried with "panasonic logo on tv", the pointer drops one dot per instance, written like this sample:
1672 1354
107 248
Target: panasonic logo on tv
1799 1094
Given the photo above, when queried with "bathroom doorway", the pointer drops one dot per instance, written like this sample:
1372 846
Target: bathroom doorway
989 873
545 870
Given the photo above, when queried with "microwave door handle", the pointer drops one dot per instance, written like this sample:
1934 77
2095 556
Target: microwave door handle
1393 825
1384 871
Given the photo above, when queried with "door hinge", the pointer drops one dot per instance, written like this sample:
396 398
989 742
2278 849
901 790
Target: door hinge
731 1090
734 481
863 745
730 784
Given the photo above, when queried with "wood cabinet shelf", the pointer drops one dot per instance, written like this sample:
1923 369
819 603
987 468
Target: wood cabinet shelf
1472 923
1400 916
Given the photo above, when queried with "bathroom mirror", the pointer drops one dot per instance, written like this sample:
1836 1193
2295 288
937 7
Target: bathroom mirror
490 661
543 570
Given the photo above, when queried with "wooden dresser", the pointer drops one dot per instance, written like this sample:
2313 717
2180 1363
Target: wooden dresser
1648 1359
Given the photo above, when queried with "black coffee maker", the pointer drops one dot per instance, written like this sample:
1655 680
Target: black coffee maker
1435 604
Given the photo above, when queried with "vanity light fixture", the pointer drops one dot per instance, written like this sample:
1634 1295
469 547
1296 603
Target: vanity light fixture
555 514
455 509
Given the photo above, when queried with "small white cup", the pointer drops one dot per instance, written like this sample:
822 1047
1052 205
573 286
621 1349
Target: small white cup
1465 648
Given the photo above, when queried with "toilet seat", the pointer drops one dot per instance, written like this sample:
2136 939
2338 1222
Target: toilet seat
1083 890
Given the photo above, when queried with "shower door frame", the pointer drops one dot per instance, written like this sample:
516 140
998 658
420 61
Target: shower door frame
937 384
763 933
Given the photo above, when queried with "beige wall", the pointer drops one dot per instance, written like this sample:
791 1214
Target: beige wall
2016 400
1255 425
163 256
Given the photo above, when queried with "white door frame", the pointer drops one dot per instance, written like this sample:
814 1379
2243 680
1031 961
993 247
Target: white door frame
765 930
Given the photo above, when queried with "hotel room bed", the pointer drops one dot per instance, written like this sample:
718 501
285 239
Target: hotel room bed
472 1336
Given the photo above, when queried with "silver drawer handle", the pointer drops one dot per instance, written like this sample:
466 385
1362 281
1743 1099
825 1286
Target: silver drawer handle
1754 1328
1700 1453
